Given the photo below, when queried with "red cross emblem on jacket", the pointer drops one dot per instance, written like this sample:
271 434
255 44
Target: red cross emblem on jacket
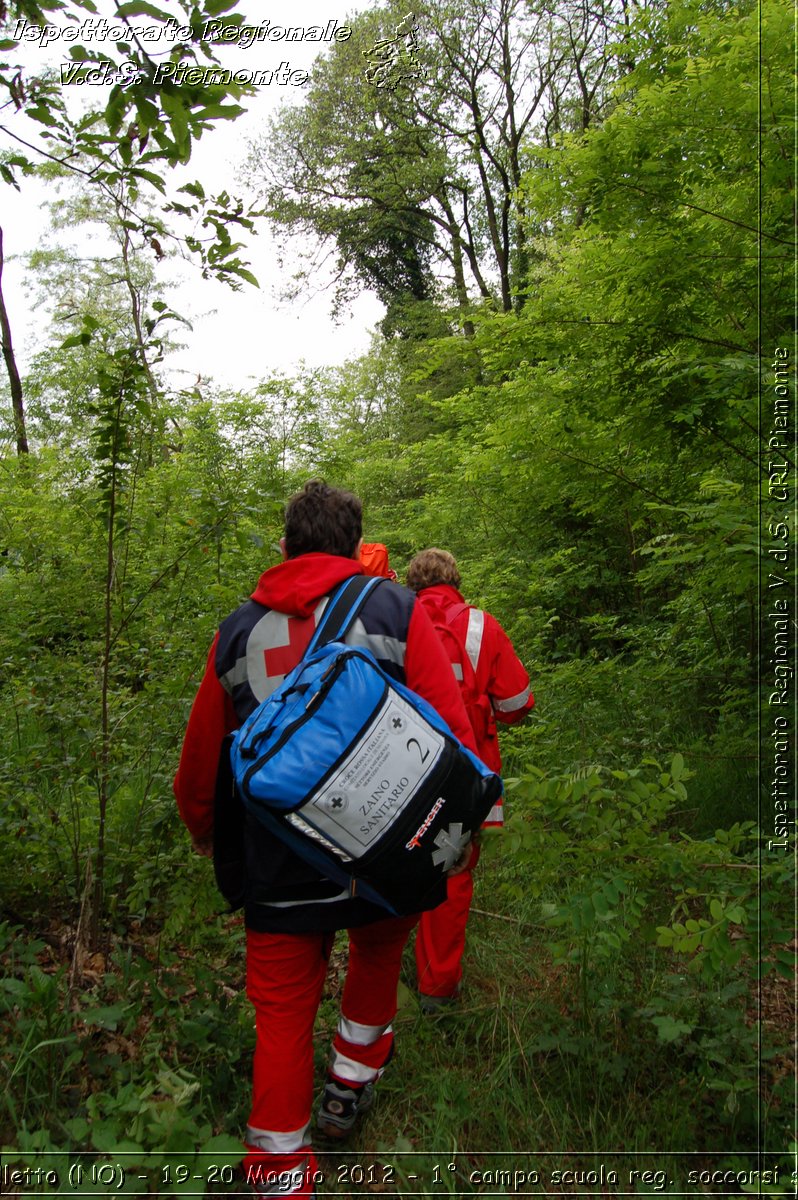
279 660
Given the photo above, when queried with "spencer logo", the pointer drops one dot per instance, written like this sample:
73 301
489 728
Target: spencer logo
430 817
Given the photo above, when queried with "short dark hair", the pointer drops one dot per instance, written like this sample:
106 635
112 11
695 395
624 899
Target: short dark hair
432 567
323 519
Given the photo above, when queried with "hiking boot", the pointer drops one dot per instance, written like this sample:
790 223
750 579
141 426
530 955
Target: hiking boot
430 1005
341 1105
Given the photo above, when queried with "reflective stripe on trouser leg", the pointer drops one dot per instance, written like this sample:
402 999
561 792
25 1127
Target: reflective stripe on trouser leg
274 1174
272 1141
364 1041
360 1052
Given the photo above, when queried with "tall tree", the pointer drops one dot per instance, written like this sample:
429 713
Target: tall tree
413 175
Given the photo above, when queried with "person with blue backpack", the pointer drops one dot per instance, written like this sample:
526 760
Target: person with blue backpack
291 908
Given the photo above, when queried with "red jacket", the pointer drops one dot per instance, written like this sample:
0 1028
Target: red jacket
252 652
500 674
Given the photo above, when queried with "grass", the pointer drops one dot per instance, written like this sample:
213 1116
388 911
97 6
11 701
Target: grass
547 1070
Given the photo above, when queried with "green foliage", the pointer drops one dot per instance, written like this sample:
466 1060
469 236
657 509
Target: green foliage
149 121
172 116
126 648
591 460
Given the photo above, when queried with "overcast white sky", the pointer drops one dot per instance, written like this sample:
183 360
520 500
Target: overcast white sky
236 336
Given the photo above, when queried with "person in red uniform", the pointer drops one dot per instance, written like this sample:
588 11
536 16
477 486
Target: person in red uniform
374 560
496 688
291 911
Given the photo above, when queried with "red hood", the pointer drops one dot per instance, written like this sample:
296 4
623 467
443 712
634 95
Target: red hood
296 586
436 600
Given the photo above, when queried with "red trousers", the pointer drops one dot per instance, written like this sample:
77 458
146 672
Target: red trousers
441 936
285 978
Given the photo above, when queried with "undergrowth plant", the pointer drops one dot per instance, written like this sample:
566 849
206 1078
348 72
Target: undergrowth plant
141 1052
663 931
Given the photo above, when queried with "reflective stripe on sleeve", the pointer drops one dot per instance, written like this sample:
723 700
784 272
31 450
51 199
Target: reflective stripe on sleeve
235 676
513 703
389 649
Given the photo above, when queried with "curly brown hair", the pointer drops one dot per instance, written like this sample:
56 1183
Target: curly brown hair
431 567
324 520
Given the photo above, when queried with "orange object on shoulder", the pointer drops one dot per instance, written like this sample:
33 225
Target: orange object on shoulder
374 557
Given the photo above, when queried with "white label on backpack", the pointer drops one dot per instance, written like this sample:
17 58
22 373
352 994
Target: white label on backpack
374 785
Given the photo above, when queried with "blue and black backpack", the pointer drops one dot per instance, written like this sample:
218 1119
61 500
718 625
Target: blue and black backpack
357 774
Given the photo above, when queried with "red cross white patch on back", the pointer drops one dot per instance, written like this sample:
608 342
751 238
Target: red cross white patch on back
279 660
274 648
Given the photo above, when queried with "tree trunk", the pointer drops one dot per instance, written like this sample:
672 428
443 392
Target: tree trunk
104 766
459 274
17 403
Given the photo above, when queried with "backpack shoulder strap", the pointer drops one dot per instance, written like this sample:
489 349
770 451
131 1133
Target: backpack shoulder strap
454 611
342 609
